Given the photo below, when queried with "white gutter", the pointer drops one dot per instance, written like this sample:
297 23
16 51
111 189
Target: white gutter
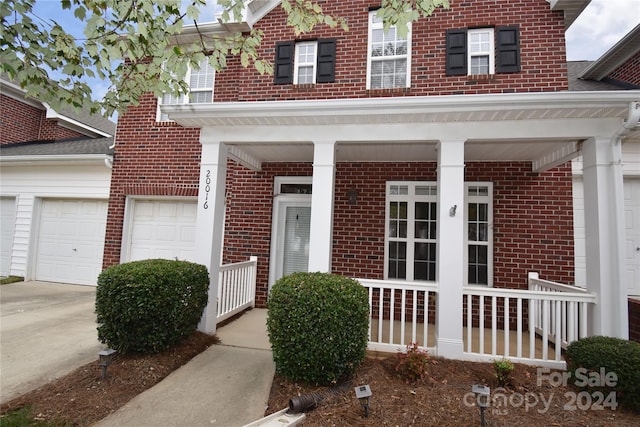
57 159
406 105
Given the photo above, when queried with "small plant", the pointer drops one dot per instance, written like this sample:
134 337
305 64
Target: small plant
412 365
503 368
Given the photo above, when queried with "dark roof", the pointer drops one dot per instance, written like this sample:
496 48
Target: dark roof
575 68
58 148
84 116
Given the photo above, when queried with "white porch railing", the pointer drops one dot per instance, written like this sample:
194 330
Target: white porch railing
400 313
236 288
570 318
549 315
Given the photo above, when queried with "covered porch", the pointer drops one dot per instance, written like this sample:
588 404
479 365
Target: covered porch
542 129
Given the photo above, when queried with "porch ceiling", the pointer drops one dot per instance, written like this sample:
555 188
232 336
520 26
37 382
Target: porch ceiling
538 127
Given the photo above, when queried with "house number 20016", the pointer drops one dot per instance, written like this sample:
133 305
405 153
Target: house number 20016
207 188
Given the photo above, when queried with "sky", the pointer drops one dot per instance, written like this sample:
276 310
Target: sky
596 30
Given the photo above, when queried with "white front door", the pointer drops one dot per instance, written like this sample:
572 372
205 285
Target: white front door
290 237
632 234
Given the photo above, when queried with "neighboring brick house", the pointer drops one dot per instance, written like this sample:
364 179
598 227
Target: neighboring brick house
443 159
54 185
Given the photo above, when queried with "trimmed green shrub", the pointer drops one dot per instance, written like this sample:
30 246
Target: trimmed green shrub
318 326
148 306
595 361
503 369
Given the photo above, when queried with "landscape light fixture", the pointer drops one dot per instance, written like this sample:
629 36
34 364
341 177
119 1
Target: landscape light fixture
106 357
483 394
363 393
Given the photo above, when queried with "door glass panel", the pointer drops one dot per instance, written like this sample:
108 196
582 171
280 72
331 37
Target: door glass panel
296 239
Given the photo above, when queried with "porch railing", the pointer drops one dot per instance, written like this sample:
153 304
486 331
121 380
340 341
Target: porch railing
236 288
400 313
532 318
568 321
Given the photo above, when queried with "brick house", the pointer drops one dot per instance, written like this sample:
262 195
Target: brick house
438 163
54 185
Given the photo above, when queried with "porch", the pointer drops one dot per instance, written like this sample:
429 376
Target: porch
530 326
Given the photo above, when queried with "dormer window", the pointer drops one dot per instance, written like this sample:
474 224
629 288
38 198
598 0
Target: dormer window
481 51
388 56
201 82
305 62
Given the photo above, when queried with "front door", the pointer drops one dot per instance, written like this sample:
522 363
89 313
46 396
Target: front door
290 227
290 237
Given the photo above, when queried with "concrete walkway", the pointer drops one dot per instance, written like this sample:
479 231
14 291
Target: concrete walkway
227 385
46 331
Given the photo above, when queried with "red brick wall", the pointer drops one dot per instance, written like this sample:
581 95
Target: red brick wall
160 159
542 53
20 122
530 233
628 72
634 319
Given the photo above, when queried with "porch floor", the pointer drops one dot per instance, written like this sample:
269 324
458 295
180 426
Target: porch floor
250 331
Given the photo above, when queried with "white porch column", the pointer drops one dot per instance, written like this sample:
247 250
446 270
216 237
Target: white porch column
451 250
209 223
604 226
321 233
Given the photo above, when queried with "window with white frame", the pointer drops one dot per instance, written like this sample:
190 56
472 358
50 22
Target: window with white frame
411 227
481 51
200 81
479 220
305 63
388 57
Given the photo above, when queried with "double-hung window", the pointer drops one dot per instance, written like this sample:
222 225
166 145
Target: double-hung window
481 51
388 56
200 81
305 62
411 232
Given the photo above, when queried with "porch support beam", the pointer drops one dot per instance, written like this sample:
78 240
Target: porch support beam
604 226
321 233
450 268
209 223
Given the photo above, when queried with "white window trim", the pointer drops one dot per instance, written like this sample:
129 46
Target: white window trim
411 199
378 25
490 53
479 199
297 64
185 98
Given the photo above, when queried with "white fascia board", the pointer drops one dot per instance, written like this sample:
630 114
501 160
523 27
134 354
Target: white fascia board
78 159
572 9
72 124
16 92
404 105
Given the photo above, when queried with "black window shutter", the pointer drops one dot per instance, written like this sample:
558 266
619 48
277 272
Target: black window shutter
283 73
456 52
508 49
326 67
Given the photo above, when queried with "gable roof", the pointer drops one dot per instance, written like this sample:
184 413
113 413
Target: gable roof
576 68
619 53
59 148
92 125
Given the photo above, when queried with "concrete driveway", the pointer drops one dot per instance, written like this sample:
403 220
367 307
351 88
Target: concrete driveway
46 331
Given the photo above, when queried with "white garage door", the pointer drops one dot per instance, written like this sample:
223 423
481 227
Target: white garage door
71 241
632 233
7 225
162 229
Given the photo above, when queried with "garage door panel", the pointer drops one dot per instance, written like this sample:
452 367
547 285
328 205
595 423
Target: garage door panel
7 227
162 229
71 240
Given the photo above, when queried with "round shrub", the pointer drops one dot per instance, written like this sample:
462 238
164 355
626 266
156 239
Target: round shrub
148 306
318 326
613 355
